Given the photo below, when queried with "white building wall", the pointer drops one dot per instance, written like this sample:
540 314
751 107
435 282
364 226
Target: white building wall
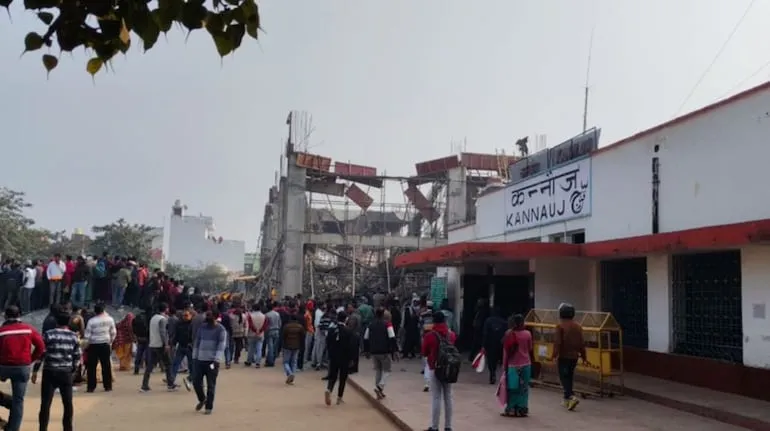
755 293
569 280
711 171
659 297
190 246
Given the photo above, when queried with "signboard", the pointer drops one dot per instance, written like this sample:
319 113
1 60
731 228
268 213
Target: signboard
528 166
438 291
575 148
558 195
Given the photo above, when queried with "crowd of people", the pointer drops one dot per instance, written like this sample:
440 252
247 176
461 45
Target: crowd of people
83 280
180 330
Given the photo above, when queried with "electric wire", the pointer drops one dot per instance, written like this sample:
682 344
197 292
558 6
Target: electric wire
744 81
716 57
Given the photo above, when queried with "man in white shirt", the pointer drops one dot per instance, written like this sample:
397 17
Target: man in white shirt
255 335
30 274
99 334
55 273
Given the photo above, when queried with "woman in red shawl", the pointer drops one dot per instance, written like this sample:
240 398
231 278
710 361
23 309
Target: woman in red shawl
123 344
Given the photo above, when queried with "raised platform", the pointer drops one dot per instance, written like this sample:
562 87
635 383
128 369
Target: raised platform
372 240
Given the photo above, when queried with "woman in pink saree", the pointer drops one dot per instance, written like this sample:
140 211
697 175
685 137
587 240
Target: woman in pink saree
513 390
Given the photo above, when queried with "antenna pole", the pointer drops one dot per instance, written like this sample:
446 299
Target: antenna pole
588 75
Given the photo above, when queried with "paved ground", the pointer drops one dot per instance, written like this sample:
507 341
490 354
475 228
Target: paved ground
475 407
246 398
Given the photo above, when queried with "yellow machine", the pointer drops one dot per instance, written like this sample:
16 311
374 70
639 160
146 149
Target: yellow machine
604 350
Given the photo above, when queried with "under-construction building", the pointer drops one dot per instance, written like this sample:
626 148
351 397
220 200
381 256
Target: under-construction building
328 227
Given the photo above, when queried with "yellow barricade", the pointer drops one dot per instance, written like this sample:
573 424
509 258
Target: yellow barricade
603 338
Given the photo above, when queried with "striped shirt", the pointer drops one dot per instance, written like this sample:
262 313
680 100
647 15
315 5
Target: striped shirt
62 351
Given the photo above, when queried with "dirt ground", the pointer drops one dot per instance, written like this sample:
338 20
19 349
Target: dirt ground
246 399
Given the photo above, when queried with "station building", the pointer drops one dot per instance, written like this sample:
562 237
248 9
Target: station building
668 229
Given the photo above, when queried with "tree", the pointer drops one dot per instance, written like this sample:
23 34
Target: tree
212 278
123 239
104 27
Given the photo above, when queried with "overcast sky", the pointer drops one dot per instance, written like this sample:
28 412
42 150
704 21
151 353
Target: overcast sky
389 83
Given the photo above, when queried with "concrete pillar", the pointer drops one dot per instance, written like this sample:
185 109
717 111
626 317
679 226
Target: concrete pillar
457 204
659 295
294 213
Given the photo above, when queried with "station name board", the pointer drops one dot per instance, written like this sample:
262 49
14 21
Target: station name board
577 147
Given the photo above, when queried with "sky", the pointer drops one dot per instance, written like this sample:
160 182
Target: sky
388 84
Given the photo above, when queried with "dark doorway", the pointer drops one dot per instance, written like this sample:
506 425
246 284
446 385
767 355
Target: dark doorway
514 294
474 287
624 294
707 317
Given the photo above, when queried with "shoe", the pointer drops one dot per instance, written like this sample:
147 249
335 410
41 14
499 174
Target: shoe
572 403
378 391
340 402
207 412
290 379
328 398
142 390
247 364
426 388
186 384
325 378
200 405
173 388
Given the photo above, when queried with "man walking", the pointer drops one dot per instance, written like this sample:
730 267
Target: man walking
17 340
100 334
292 338
160 349
60 360
380 343
208 352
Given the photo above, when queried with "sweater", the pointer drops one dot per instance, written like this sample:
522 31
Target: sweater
159 331
62 351
210 343
101 329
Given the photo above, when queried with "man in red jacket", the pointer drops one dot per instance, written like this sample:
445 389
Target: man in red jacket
17 340
440 391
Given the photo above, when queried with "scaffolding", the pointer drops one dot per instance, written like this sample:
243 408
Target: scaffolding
358 220
350 267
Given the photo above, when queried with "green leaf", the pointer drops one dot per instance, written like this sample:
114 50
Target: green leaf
40 4
94 65
224 44
235 32
50 62
46 17
150 35
214 23
110 28
163 18
33 42
69 36
193 15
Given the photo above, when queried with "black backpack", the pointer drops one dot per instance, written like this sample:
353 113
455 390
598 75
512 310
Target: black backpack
448 361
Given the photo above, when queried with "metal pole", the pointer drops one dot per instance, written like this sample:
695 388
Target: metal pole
312 279
354 270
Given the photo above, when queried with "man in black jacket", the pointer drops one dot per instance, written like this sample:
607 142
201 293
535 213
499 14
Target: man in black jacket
141 329
341 349
183 338
380 343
